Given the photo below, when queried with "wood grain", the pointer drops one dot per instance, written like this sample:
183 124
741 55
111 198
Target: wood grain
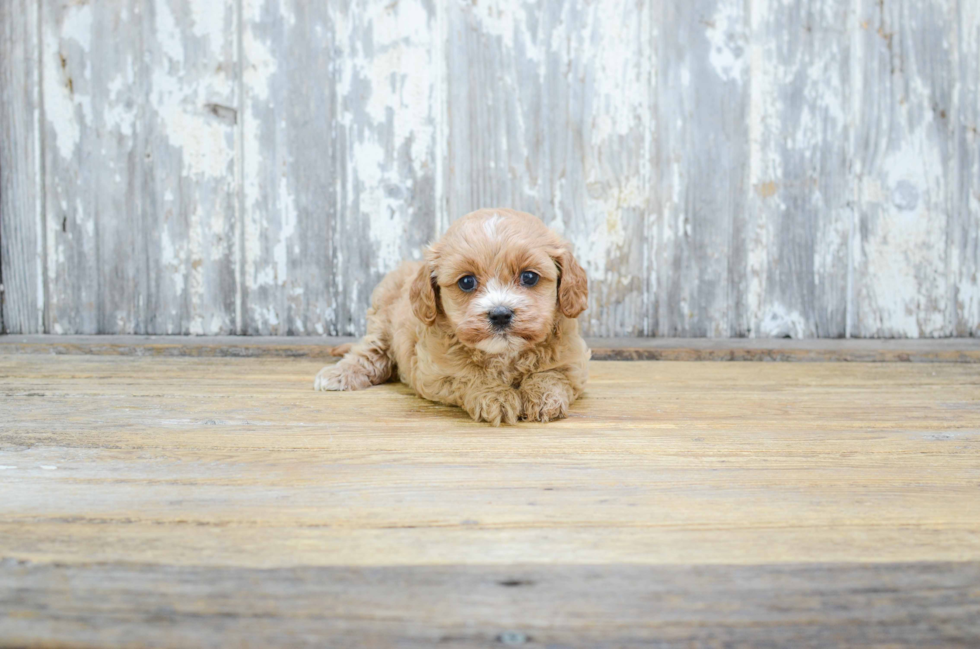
339 179
702 144
903 87
291 168
794 235
821 605
208 501
91 85
188 186
550 108
722 168
21 229
139 152
194 461
963 168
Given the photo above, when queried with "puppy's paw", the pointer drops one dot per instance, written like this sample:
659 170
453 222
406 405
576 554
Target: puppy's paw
546 406
546 396
495 407
342 376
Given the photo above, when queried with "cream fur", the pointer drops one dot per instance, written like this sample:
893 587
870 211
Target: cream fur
439 341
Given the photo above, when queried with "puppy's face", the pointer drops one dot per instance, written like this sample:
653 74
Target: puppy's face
499 279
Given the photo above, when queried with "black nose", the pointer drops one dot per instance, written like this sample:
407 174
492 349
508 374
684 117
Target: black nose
500 316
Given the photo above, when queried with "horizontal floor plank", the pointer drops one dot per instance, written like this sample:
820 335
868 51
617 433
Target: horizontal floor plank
794 605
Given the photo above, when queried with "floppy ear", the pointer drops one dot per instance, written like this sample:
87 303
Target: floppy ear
424 296
573 285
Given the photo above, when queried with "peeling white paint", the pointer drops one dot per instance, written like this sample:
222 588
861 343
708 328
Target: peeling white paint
779 322
904 254
728 40
287 230
77 25
397 113
173 261
62 93
393 136
507 20
619 88
119 115
259 66
380 210
604 238
168 33
208 20
204 143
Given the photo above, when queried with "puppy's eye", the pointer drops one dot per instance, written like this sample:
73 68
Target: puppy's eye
467 283
529 278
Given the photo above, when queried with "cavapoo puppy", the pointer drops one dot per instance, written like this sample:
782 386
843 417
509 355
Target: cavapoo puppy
486 322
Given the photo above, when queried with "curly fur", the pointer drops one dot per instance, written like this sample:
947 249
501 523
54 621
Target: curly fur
438 339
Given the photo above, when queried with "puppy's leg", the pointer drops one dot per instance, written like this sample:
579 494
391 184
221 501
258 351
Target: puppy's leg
545 396
492 404
366 364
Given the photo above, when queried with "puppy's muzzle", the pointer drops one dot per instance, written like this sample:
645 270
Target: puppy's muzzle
500 317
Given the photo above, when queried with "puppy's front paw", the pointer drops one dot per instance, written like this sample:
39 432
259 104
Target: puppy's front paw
342 376
496 407
546 406
546 396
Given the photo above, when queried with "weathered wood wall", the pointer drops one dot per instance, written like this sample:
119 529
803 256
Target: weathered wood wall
723 167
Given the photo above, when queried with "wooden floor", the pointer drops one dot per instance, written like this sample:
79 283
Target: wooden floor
221 502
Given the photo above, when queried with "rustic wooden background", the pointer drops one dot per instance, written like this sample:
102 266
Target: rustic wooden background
723 167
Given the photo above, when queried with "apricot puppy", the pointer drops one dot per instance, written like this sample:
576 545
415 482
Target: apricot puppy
487 323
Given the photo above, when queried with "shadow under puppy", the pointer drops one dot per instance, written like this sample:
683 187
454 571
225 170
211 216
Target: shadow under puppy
486 322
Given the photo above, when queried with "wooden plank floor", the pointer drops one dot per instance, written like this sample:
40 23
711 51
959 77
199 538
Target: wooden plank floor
221 502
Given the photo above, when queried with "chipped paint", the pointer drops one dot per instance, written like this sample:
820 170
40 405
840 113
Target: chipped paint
779 322
287 229
727 40
395 72
623 167
60 96
203 142
903 250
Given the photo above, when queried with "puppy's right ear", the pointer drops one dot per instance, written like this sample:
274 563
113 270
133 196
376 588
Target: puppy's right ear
424 296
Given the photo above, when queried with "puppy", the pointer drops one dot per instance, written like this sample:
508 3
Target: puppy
486 322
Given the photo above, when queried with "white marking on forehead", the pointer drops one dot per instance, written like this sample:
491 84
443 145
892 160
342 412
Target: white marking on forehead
496 294
490 225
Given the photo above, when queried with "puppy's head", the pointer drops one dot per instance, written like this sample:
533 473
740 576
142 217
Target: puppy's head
500 279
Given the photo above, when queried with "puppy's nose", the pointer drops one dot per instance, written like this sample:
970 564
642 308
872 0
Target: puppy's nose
500 316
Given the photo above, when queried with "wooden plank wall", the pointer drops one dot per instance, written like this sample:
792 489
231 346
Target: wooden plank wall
723 167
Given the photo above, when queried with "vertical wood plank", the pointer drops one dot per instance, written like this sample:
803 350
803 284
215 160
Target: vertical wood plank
140 160
189 189
964 166
90 81
796 229
21 234
388 75
339 146
702 147
290 166
902 144
550 109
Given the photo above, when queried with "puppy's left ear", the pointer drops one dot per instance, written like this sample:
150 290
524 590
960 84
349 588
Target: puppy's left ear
423 294
573 285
